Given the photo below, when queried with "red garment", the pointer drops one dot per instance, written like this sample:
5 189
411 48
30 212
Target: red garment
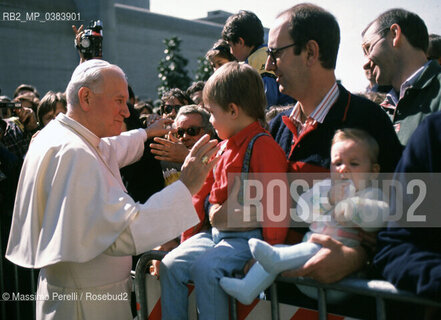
267 157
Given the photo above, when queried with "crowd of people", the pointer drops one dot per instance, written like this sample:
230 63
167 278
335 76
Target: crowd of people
105 177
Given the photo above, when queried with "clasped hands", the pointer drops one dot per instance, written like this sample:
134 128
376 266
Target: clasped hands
231 215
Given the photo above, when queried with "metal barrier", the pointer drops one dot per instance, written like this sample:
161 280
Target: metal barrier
140 287
380 290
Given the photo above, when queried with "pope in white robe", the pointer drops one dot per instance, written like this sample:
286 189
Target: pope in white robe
75 221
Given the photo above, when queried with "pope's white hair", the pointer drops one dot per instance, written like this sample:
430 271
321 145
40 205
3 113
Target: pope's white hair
88 74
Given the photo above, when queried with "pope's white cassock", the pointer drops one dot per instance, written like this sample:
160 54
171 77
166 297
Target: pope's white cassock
74 219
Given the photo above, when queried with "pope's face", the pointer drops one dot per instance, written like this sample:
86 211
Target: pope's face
109 107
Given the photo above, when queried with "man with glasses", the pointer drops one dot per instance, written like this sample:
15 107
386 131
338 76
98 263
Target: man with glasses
395 46
191 123
244 33
303 46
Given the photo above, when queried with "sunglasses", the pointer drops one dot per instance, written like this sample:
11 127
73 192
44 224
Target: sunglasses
168 108
192 131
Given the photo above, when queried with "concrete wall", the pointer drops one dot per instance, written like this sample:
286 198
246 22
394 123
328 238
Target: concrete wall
43 54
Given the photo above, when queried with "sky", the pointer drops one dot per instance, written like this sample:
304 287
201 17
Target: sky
352 16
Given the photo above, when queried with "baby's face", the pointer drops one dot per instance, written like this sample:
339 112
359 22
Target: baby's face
350 160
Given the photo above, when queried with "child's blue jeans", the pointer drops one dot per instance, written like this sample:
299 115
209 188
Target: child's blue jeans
203 259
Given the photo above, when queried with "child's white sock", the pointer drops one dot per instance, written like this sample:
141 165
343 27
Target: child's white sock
247 289
277 259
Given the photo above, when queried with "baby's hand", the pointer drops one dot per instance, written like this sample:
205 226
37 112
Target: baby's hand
340 191
344 211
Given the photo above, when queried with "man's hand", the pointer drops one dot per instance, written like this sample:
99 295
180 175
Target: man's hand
231 214
167 150
27 117
198 163
78 32
149 119
333 262
159 128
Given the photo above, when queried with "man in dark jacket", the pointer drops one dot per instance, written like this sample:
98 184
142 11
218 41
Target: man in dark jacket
395 46
303 46
410 258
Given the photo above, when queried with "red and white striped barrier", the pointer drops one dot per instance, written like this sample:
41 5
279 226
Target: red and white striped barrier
258 310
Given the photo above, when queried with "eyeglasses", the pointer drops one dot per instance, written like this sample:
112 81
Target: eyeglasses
169 108
275 52
191 131
368 48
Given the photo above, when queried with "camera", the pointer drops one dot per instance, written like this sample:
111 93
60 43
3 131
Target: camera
91 42
10 105
8 109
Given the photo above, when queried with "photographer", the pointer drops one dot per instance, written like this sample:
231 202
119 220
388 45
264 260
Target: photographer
89 41
20 127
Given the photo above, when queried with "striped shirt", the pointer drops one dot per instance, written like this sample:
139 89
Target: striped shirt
319 113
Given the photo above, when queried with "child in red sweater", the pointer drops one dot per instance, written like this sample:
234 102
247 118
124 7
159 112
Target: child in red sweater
235 97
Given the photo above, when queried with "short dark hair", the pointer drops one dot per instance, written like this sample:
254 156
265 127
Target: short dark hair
237 83
26 88
310 22
178 94
49 103
132 121
220 49
131 93
412 26
434 50
246 25
195 87
143 104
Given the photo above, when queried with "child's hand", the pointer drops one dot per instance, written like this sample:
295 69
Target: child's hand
231 214
168 246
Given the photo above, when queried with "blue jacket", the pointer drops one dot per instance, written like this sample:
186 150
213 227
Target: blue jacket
257 60
410 258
